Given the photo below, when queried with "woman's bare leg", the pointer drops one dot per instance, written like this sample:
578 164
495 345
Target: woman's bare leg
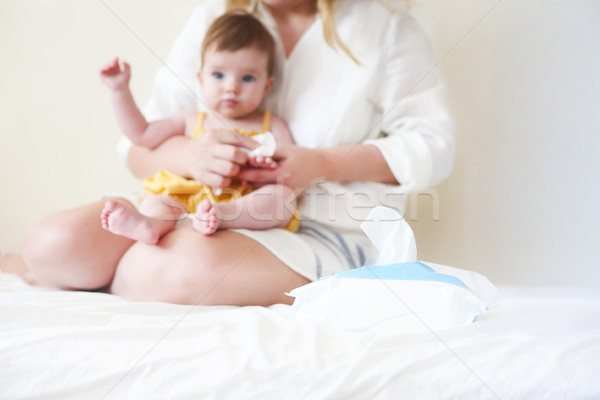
13 263
188 268
70 250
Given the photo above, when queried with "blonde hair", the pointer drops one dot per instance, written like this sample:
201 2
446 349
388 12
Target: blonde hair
326 10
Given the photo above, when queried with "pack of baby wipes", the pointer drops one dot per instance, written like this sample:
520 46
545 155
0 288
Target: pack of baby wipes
398 292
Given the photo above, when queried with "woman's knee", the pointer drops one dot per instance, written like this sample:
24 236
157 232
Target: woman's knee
44 246
44 240
162 272
194 271
70 250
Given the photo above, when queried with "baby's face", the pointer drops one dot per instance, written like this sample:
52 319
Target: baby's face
235 82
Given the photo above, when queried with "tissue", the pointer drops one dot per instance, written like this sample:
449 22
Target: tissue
391 235
267 145
399 293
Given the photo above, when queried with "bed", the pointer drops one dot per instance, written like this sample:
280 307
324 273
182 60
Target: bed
537 343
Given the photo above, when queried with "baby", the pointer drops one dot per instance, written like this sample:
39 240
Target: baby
237 72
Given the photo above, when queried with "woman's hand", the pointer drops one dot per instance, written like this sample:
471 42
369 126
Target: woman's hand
214 158
297 167
300 167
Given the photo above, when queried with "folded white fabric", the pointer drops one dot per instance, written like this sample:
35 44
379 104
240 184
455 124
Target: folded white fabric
400 293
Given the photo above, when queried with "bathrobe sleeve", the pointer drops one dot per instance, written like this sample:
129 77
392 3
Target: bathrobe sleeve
418 132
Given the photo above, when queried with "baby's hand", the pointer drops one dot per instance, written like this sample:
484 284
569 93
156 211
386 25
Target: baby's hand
261 162
114 77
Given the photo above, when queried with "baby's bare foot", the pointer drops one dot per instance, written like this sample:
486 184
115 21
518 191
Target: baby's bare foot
206 221
124 220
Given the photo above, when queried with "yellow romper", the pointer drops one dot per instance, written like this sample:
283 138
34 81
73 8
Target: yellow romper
190 192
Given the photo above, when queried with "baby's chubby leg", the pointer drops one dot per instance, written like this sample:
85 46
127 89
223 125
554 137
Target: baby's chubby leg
157 216
271 206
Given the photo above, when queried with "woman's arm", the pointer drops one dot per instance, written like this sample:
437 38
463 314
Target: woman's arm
299 167
361 162
418 144
144 162
213 158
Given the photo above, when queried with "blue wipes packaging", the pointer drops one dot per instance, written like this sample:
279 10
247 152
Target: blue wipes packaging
399 293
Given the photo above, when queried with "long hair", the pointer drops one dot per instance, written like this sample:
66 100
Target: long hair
326 10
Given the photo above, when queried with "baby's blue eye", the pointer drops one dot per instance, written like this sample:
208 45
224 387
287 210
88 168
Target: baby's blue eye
248 78
218 75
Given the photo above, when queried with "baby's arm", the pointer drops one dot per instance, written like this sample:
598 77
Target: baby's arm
129 117
280 130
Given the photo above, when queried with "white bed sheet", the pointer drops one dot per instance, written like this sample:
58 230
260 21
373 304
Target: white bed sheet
539 343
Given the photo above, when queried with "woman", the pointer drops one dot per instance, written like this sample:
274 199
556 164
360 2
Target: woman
358 88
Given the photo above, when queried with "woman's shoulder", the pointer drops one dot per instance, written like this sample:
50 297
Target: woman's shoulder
395 6
372 25
367 9
370 16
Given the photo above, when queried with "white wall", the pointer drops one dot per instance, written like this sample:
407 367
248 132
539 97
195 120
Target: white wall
523 84
57 130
